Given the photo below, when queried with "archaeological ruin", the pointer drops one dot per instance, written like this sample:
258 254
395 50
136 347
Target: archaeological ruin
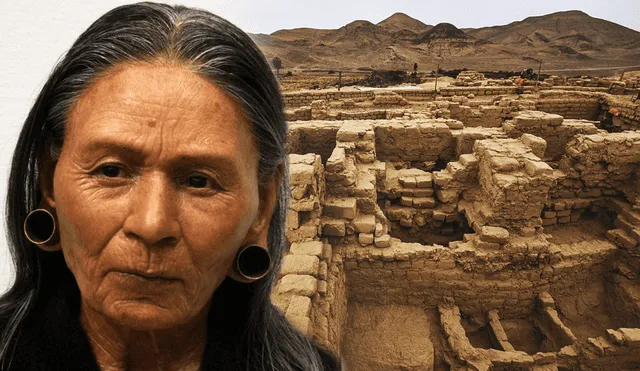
474 228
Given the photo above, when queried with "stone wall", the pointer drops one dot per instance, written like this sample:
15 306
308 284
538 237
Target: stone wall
617 350
313 137
330 310
297 99
553 128
481 90
599 164
307 184
411 273
513 184
419 140
569 104
629 111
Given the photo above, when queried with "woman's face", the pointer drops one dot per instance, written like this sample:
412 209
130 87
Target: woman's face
155 190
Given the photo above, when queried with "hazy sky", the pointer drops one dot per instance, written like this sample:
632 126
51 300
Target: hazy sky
34 34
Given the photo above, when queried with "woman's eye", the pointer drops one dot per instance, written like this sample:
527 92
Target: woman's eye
197 181
110 171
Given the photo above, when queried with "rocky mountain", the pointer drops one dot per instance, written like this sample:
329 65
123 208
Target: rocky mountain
561 40
573 34
572 27
401 25
444 31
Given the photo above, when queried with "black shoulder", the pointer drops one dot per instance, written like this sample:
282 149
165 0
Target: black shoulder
329 361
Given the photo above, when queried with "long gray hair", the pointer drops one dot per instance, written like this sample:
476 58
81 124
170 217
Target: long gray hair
215 49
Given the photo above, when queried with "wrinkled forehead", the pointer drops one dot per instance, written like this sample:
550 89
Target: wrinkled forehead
138 102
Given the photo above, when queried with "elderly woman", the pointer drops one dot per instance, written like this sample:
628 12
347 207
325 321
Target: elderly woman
146 205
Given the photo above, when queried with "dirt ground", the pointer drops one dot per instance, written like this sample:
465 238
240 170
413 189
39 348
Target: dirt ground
302 81
391 338
589 227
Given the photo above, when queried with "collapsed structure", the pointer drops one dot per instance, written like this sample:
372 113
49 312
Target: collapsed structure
469 229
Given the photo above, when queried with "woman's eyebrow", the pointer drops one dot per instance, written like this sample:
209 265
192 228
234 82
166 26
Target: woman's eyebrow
193 157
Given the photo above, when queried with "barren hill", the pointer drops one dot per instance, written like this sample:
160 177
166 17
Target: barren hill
443 31
561 40
572 25
400 21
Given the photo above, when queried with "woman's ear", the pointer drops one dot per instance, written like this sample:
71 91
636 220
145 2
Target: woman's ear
269 194
46 168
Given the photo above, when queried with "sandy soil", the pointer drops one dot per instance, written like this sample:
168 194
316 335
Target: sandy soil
390 338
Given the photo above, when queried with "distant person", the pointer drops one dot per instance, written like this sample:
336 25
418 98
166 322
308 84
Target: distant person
607 120
146 205
519 85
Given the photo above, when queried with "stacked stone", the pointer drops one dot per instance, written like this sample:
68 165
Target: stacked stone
629 112
462 99
617 349
569 104
416 94
469 78
305 98
500 82
388 98
627 223
348 103
484 116
551 325
563 211
514 186
454 179
319 110
582 89
354 210
312 137
554 129
481 280
306 179
298 114
556 80
594 82
600 164
466 138
340 180
617 87
511 106
410 198
597 166
481 90
358 138
440 109
363 115
477 358
303 274
338 211
421 140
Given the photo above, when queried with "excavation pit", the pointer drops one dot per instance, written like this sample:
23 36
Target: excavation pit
525 222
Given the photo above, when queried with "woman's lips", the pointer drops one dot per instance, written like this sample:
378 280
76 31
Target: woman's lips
160 276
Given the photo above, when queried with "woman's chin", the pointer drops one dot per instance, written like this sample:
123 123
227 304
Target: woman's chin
145 315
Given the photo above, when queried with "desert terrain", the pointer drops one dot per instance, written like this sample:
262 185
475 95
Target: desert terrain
564 42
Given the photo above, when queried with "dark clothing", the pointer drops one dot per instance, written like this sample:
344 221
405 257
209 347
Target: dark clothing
52 338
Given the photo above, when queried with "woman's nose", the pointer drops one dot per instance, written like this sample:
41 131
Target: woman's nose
152 213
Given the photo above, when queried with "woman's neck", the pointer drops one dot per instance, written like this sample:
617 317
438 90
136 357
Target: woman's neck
118 349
